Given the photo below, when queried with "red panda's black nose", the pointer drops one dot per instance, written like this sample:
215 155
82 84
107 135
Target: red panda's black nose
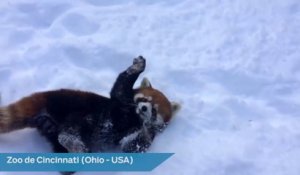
144 108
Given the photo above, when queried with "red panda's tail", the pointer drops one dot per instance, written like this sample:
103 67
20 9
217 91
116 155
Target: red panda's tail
16 115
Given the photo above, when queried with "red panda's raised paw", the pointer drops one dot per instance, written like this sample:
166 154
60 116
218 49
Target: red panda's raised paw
138 65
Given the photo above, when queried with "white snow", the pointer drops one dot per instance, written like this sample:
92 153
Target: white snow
234 66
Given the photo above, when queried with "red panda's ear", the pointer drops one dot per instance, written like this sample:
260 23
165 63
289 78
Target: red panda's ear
175 107
146 83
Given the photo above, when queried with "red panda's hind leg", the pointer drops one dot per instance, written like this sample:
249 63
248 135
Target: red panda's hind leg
49 128
45 124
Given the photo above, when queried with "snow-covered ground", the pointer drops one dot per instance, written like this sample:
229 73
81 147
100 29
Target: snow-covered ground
234 65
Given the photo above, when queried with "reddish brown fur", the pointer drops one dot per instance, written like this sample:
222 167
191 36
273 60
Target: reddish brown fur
15 115
159 98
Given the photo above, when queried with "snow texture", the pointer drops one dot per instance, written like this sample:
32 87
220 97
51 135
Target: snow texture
234 66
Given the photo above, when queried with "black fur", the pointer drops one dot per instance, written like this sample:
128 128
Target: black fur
76 121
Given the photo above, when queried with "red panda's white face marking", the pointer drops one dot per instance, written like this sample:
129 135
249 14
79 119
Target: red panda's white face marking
152 105
147 110
141 96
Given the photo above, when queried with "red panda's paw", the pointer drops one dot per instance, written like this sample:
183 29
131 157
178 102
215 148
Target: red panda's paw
77 147
138 65
72 142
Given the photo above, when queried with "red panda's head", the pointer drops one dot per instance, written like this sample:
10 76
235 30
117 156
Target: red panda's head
153 106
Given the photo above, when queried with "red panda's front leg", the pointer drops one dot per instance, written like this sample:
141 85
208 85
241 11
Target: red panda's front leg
137 142
122 90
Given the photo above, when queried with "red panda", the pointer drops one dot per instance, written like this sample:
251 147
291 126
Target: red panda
94 120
